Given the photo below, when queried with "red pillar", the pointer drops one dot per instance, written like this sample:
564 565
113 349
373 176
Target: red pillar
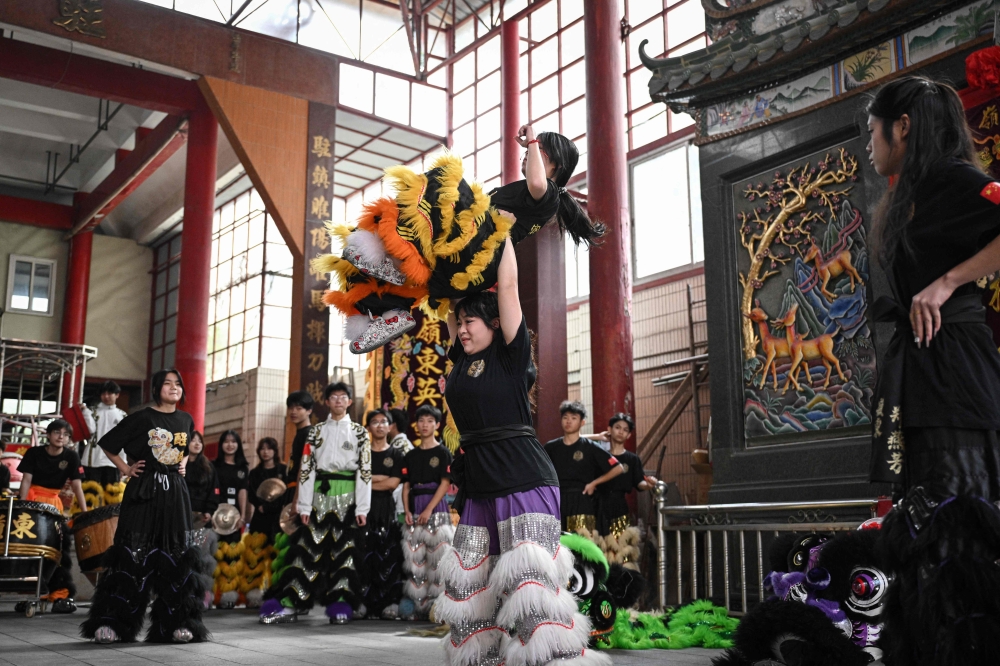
607 200
510 101
196 246
74 321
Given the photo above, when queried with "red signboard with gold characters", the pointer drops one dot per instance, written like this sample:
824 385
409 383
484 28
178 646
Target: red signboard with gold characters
412 371
982 110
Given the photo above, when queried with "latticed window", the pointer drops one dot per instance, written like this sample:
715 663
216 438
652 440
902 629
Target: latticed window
250 314
163 319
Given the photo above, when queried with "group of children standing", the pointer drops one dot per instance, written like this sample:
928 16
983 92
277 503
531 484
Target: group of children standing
371 510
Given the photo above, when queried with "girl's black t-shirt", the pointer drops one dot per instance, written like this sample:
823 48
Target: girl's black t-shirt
203 486
530 215
488 390
50 472
257 476
232 479
426 465
955 381
152 436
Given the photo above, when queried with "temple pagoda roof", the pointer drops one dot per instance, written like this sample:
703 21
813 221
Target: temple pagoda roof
762 43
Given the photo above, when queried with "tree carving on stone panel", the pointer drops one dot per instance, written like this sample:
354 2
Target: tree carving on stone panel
780 226
809 361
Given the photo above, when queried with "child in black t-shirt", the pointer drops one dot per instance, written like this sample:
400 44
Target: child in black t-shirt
582 467
426 479
620 542
45 470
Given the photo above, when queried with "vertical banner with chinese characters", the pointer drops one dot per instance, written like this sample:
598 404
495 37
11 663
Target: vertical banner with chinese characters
412 371
319 195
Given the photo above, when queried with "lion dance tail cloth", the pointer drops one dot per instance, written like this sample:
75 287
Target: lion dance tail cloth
505 597
424 548
319 563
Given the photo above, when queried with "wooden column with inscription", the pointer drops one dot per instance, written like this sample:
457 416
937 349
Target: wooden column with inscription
314 332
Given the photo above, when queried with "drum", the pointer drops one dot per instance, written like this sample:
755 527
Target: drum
35 529
93 534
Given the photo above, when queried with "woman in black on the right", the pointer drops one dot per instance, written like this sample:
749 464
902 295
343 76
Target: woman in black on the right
938 400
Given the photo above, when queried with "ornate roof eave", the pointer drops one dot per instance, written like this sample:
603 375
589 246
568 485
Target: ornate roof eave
733 68
714 11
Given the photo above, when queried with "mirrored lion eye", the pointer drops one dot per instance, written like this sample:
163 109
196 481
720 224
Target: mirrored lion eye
575 582
588 584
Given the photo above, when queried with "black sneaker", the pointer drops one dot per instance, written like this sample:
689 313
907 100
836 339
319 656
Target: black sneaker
63 606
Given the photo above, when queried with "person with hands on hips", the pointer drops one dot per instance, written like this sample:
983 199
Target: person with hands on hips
334 497
936 408
153 554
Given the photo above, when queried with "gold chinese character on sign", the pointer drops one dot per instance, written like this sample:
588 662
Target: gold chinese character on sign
321 146
315 389
320 176
317 299
427 391
320 207
316 331
316 362
320 239
430 332
990 117
83 16
427 362
317 273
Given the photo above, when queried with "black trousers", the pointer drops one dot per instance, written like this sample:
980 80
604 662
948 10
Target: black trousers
941 544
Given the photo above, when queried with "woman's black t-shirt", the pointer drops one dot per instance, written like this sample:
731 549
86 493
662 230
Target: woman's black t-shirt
487 390
426 465
579 463
152 436
624 483
530 215
203 486
955 381
232 479
257 476
50 472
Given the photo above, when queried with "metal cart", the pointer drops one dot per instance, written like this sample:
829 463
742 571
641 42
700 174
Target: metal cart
34 601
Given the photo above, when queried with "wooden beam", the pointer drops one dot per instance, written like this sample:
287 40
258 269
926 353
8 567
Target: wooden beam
80 74
35 213
130 172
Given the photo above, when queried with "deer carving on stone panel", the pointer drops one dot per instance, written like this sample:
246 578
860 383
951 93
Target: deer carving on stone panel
774 346
830 267
820 347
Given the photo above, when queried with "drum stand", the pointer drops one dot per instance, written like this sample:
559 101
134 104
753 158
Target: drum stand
33 604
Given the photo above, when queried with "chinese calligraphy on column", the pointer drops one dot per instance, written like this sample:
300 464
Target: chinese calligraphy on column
319 195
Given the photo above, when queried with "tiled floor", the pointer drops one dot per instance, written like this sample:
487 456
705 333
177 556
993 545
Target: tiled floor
52 640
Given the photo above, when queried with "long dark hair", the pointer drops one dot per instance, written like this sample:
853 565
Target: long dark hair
573 220
202 460
239 459
938 133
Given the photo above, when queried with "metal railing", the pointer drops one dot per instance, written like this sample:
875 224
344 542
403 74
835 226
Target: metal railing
688 536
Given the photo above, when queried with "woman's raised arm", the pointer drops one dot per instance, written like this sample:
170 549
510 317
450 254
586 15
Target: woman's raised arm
507 295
